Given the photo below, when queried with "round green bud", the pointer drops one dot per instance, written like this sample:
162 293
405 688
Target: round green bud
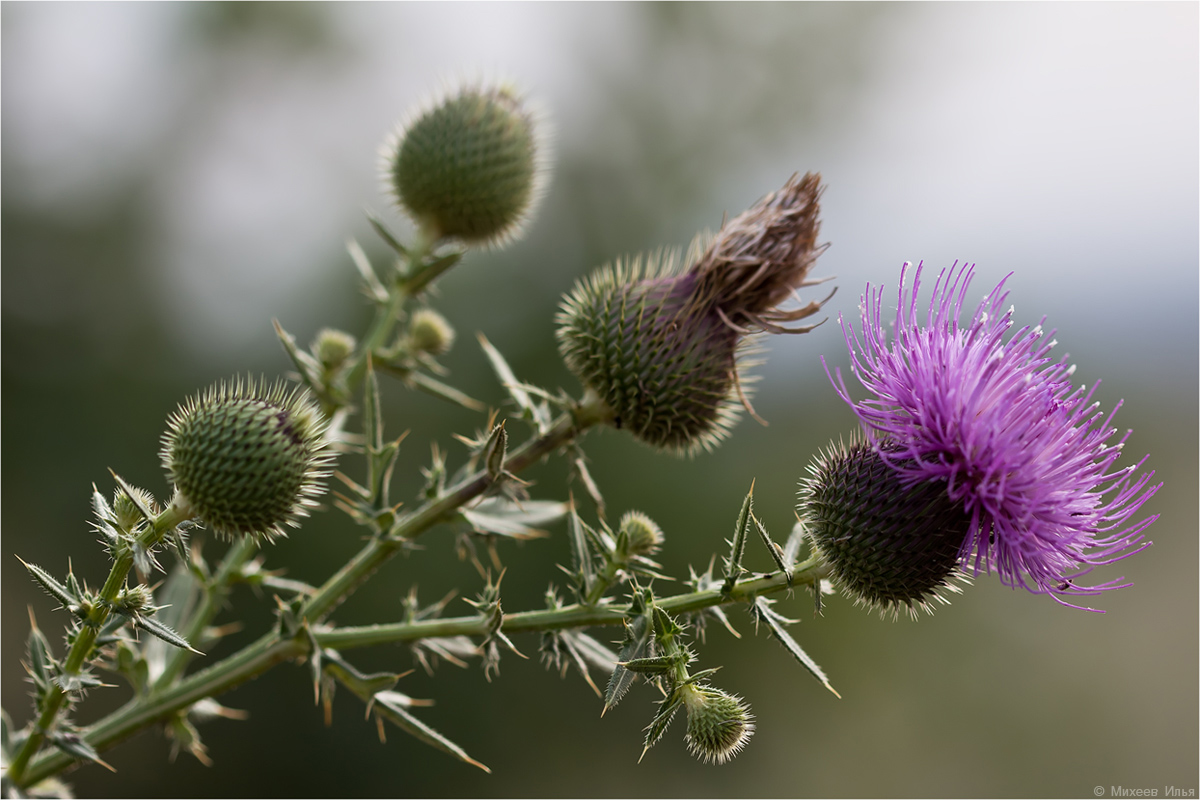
641 535
661 358
718 724
332 347
245 458
429 332
468 166
887 544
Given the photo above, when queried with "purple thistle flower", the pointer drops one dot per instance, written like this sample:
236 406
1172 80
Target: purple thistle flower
1027 455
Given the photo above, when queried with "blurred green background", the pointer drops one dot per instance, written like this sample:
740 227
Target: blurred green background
175 175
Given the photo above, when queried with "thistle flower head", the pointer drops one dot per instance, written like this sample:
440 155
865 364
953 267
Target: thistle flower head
718 723
889 545
469 165
661 339
247 458
998 427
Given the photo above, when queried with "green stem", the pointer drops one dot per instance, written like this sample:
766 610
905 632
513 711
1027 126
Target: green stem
387 316
85 639
270 649
215 593
573 616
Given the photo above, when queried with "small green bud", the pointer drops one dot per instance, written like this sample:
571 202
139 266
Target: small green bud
126 511
641 535
245 458
134 600
660 340
888 544
332 347
718 724
429 332
469 165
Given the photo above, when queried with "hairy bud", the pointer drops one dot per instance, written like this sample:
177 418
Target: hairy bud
245 458
641 535
659 340
429 332
332 347
468 166
718 724
889 542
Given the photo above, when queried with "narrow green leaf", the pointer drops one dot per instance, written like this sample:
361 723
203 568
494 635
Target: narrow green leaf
310 370
387 236
52 586
775 550
393 710
733 567
651 665
42 666
76 746
761 609
639 643
164 632
372 413
662 720
436 388
495 451
581 554
507 518
371 285
505 374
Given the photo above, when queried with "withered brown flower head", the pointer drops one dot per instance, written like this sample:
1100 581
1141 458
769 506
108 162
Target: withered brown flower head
758 260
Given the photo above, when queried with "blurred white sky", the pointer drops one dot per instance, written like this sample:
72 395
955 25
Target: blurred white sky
1055 140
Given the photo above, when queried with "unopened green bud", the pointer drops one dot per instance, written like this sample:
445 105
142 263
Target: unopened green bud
888 544
332 347
718 724
126 510
429 332
660 339
469 165
134 599
245 458
641 535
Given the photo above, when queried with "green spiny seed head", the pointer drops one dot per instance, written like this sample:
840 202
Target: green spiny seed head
429 332
888 544
665 365
641 534
468 166
246 458
718 723
332 347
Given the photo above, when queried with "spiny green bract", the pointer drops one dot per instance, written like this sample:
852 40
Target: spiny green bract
468 166
245 458
888 545
663 363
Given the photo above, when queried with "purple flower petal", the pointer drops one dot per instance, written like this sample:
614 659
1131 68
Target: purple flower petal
1030 457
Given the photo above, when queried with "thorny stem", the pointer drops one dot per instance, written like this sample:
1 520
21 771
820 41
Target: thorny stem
573 616
273 648
85 639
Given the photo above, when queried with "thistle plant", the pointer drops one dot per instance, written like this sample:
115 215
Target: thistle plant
976 455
